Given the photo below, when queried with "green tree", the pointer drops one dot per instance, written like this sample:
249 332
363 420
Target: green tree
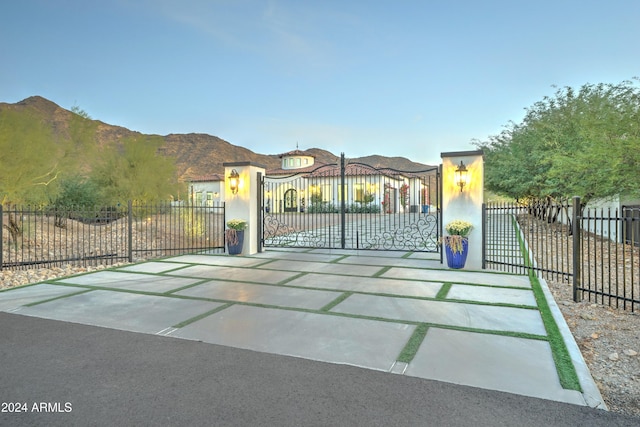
582 142
81 148
136 171
77 190
29 160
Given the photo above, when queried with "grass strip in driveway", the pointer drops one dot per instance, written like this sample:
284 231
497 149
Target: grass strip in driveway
202 316
411 348
382 271
444 290
564 365
83 291
566 370
336 301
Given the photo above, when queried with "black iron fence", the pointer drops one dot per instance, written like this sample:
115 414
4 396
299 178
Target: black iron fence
595 250
46 236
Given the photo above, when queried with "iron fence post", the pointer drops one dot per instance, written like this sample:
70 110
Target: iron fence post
260 207
439 212
343 204
130 230
577 258
484 236
1 239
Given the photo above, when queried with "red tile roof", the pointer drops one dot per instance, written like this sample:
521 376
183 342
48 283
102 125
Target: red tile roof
208 178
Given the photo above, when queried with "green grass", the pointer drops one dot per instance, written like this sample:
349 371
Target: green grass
336 301
382 271
566 370
564 366
411 348
444 290
84 291
201 316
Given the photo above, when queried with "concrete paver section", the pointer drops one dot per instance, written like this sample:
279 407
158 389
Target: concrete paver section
359 342
223 260
15 298
153 267
369 284
130 281
445 313
359 253
391 262
459 277
491 361
271 277
262 294
300 256
492 295
321 267
121 310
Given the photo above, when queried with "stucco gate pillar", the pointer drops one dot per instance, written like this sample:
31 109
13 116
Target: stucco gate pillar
243 204
465 203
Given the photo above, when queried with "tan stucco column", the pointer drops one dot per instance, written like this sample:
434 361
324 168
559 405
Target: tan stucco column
244 203
466 204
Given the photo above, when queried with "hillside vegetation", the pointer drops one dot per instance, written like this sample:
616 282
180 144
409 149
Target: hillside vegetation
48 153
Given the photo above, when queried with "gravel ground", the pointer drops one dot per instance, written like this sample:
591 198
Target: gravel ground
609 338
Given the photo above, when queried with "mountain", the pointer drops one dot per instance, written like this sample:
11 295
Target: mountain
195 154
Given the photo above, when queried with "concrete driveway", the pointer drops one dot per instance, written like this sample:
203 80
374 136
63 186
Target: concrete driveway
396 312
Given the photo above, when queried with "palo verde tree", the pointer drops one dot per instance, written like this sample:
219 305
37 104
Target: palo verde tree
29 161
136 171
582 142
81 148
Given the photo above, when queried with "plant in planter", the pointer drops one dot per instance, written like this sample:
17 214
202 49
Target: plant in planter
234 235
457 243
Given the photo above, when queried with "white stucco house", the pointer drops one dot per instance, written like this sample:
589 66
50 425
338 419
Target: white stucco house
206 190
301 184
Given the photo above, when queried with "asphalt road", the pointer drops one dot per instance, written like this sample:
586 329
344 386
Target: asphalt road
69 374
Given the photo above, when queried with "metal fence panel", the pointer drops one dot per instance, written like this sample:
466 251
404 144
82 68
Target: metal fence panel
595 249
46 236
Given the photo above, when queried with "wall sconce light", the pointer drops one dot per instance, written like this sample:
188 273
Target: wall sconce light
461 178
234 181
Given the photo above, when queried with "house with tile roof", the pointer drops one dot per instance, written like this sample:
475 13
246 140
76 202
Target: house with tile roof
301 184
206 190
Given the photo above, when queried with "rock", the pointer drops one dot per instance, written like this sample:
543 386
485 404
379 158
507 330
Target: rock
587 316
614 356
594 336
630 352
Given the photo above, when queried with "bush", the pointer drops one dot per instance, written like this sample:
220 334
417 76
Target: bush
360 208
323 207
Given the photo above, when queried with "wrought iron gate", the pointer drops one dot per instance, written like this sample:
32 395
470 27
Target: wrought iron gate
353 206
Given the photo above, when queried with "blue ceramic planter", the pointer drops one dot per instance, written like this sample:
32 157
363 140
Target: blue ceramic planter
457 260
236 249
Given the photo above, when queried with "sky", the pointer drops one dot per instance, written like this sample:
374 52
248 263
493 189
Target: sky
390 77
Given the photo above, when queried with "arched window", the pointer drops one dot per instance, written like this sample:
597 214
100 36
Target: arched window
291 200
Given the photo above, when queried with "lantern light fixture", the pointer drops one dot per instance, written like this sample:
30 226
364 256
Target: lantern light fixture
461 177
234 181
